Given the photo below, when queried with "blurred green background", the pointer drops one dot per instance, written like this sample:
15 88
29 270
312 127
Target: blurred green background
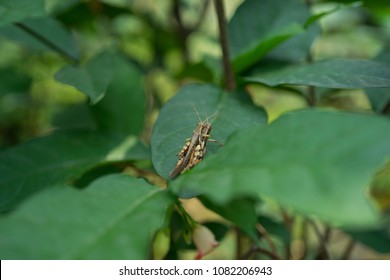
33 103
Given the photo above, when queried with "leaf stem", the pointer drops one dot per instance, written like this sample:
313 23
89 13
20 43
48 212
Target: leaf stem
348 250
323 239
239 246
311 91
255 249
268 253
190 222
47 42
184 31
268 238
230 82
311 96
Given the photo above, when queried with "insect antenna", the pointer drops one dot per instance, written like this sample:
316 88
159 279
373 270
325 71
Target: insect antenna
200 120
215 115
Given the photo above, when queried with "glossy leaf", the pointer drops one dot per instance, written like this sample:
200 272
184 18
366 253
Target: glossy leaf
93 78
259 26
45 34
334 73
178 118
104 221
14 11
122 109
316 162
58 158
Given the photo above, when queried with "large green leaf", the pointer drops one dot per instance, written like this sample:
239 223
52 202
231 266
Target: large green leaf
178 119
316 162
122 109
380 97
43 34
259 26
334 73
93 78
57 158
104 221
13 11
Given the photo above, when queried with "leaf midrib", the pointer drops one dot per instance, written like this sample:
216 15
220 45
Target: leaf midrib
111 226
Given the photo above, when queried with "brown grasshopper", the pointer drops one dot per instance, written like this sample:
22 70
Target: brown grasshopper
194 149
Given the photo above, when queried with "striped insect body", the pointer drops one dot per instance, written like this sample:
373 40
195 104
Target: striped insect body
194 149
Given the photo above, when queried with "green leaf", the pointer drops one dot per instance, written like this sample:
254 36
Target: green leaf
334 73
44 34
241 212
316 162
122 109
380 97
377 4
13 11
276 229
295 49
259 26
178 119
57 158
104 221
93 78
338 7
75 116
377 239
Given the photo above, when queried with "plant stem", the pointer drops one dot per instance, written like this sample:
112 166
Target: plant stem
311 96
268 238
323 239
268 253
311 91
256 249
323 252
190 222
230 82
47 42
184 31
348 249
239 248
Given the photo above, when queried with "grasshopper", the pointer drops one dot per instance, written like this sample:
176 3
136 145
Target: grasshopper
194 149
